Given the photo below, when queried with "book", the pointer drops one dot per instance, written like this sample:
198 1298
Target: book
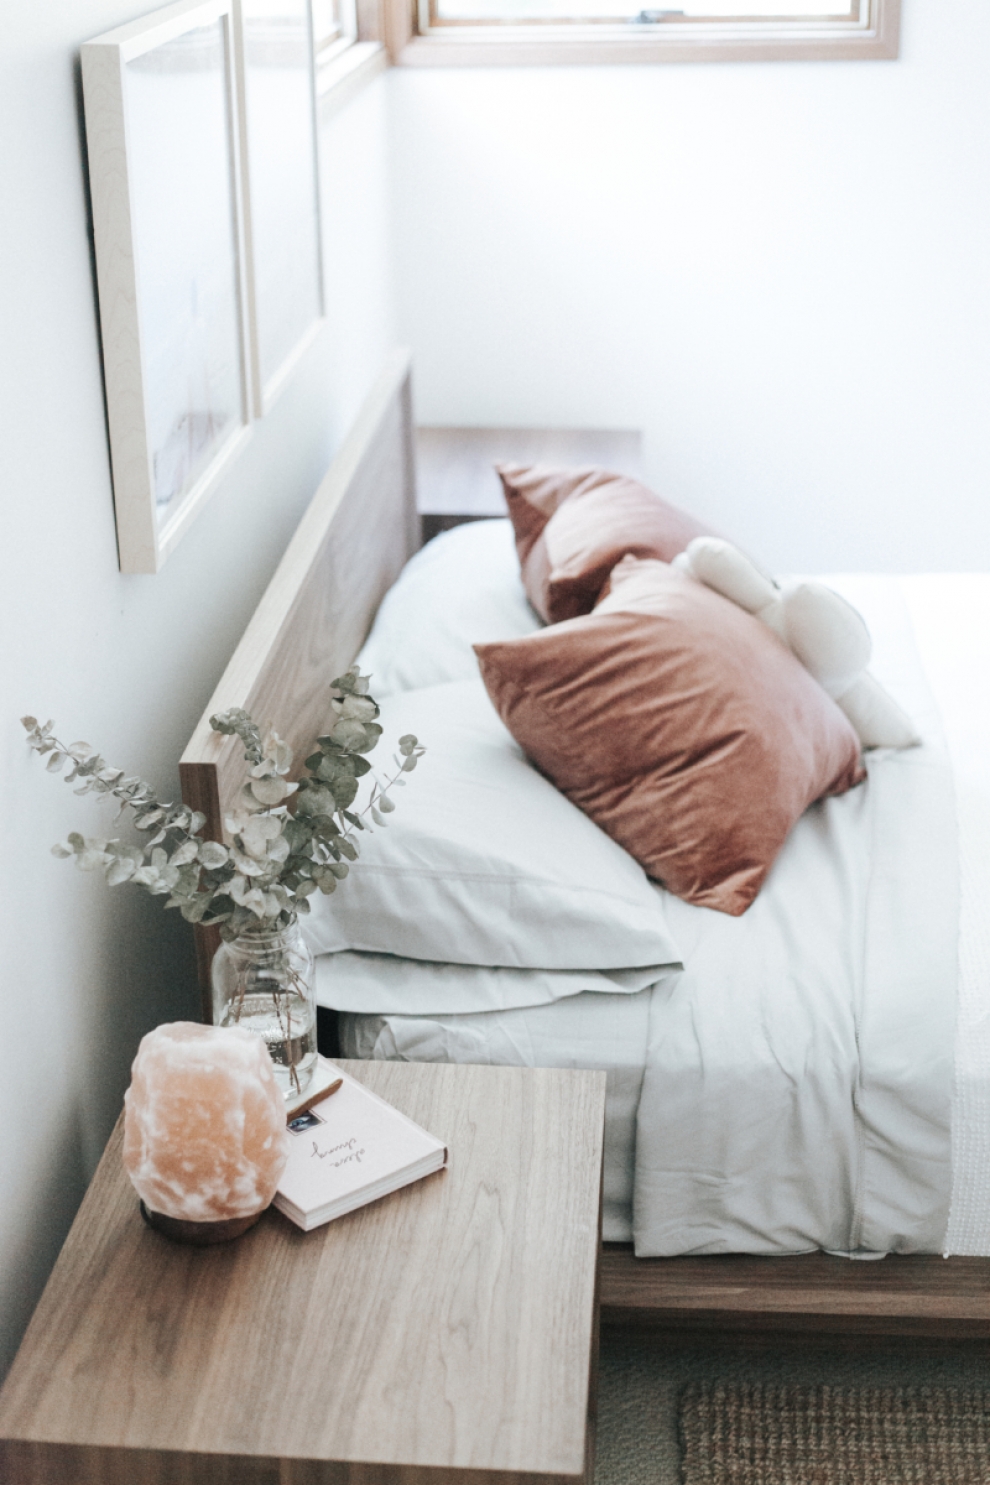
349 1150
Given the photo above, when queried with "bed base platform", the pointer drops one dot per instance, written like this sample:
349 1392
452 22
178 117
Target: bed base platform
361 527
811 1296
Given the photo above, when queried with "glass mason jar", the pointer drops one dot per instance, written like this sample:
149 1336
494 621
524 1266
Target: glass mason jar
264 981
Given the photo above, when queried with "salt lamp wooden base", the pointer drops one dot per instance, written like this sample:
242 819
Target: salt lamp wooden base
200 1234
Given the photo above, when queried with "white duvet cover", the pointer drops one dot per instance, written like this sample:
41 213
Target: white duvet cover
795 1081
952 623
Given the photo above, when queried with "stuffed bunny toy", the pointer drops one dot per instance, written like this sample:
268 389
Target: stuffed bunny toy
825 632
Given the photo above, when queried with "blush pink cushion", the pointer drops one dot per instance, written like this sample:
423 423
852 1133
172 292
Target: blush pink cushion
573 525
682 725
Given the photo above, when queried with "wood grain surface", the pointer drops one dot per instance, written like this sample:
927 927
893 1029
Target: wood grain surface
811 1294
443 1333
456 465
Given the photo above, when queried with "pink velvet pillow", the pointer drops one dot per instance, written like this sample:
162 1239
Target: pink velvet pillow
573 525
682 725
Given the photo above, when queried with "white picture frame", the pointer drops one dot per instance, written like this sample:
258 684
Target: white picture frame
163 135
280 185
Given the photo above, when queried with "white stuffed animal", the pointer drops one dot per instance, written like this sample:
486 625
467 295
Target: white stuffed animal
825 632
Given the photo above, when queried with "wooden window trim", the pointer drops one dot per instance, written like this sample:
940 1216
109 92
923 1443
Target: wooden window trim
393 22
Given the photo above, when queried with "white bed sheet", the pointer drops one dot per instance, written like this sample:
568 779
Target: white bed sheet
837 1129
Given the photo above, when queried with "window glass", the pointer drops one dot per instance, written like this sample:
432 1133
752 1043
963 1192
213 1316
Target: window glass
590 10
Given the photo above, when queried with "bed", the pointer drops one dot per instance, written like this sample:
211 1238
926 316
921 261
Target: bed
911 1136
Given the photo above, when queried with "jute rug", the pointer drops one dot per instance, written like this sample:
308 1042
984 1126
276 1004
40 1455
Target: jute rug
741 1433
643 1382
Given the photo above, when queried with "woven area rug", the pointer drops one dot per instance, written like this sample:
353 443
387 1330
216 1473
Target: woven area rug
759 1434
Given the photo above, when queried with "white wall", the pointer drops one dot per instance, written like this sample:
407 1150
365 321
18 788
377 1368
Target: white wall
127 663
780 272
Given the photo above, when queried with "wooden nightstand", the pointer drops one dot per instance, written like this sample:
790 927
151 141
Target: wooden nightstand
445 1333
457 482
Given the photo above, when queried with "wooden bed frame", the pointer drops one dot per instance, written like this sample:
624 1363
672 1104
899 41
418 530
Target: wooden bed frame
359 530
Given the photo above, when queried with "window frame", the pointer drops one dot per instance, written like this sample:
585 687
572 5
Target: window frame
510 44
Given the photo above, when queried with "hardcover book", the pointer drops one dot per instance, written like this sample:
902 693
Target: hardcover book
349 1150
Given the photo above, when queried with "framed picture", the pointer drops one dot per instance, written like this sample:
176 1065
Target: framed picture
163 136
281 187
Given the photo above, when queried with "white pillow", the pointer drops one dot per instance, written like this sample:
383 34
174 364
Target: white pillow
484 862
463 588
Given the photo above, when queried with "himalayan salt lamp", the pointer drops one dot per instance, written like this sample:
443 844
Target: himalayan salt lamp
205 1140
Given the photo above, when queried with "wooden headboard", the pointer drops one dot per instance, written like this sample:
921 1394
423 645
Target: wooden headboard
360 528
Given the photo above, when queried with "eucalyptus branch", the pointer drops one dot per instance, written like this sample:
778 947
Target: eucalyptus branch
279 854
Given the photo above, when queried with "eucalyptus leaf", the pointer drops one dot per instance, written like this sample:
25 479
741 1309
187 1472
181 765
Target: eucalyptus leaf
350 734
270 790
119 871
360 708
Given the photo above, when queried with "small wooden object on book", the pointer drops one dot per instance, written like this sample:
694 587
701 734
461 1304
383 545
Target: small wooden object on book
348 1150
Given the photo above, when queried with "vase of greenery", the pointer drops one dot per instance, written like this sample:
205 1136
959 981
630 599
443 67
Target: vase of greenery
285 841
264 980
